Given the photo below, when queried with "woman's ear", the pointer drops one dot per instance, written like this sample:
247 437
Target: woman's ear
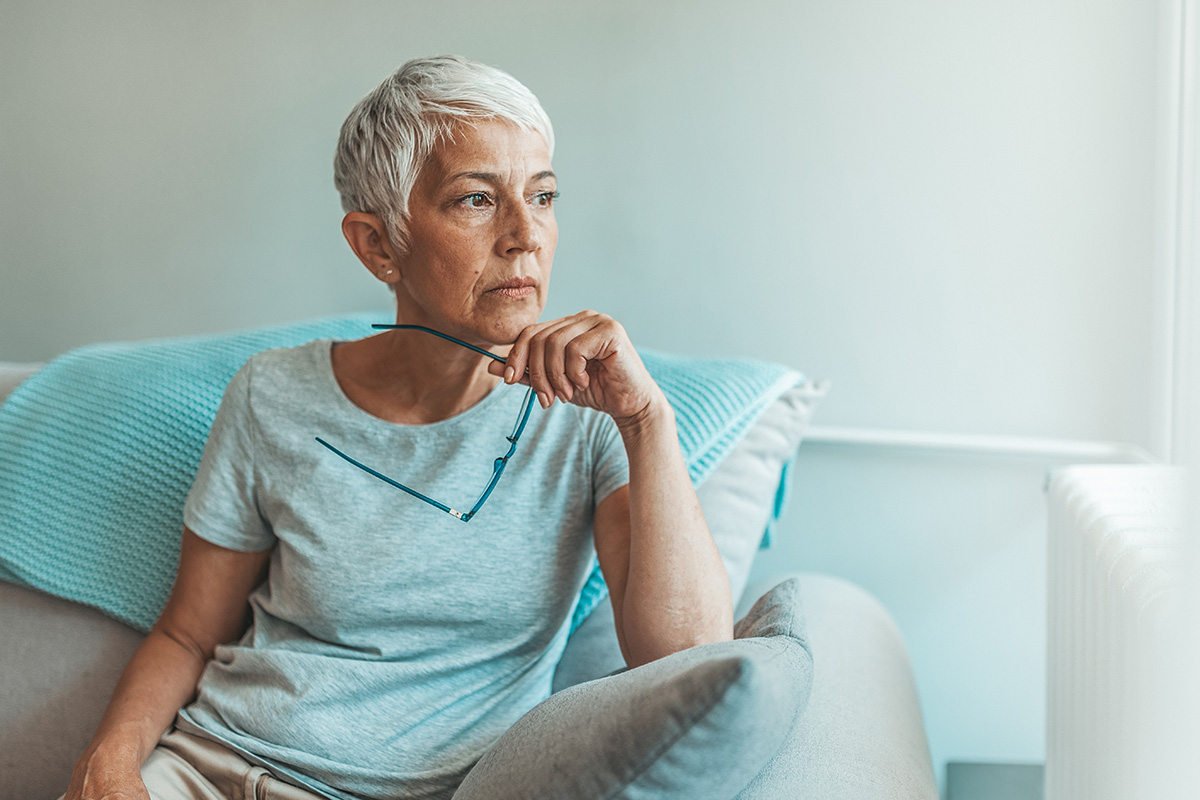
367 236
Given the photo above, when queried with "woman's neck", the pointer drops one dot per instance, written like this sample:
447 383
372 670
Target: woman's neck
412 376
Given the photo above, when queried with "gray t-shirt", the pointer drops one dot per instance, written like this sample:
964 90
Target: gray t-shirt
391 643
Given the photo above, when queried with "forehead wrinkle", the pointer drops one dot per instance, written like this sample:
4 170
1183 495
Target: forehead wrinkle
494 177
447 161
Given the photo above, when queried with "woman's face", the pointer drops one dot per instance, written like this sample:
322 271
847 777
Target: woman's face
481 215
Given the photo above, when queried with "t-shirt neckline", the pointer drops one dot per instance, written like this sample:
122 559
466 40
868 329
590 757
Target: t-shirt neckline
325 353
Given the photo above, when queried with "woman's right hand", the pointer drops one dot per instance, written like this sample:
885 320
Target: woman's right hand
101 776
208 605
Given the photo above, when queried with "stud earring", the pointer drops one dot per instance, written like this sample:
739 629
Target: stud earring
388 271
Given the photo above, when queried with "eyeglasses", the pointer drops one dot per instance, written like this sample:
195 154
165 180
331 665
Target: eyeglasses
497 466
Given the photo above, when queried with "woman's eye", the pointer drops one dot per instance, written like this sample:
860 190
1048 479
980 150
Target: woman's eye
475 200
545 198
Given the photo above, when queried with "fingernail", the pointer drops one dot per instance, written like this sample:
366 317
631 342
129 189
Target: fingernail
509 372
543 400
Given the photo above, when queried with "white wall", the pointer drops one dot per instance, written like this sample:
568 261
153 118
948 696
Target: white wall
946 207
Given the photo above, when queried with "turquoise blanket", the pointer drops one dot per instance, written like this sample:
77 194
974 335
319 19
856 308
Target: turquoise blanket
98 450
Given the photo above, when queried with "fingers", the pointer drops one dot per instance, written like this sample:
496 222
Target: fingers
565 357
517 360
518 364
555 354
575 364
544 374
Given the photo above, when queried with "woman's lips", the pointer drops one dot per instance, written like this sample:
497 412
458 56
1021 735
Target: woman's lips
515 293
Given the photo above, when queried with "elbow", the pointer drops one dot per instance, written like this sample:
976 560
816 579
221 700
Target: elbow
187 644
656 647
716 627
720 632
654 654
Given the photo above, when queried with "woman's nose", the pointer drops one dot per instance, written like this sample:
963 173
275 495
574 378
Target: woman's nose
520 229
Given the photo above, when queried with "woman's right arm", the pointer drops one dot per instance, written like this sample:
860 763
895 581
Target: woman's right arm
207 607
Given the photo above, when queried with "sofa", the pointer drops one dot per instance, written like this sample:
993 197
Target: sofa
859 735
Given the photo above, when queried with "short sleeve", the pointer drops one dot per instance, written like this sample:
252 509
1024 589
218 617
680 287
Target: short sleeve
610 463
221 506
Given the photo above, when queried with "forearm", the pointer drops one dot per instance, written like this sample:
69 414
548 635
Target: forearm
677 592
159 679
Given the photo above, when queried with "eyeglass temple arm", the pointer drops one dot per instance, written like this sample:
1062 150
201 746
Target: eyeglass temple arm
479 350
502 462
497 470
388 480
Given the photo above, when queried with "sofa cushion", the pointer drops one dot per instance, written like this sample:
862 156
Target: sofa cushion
699 723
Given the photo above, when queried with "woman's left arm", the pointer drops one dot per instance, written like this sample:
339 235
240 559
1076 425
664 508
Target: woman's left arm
665 576
676 592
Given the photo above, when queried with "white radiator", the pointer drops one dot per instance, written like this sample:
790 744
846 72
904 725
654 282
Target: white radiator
1114 590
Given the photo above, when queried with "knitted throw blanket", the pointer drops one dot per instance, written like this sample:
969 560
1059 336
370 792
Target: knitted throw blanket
99 448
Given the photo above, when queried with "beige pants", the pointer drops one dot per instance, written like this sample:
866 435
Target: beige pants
186 767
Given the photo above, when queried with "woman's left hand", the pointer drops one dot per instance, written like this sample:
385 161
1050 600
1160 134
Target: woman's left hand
585 359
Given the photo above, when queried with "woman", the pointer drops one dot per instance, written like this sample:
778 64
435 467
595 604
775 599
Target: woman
389 644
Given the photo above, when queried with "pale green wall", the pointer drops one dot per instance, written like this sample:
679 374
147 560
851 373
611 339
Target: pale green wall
946 207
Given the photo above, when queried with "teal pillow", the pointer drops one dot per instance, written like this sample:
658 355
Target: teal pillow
99 448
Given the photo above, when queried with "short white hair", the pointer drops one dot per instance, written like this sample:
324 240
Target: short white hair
390 133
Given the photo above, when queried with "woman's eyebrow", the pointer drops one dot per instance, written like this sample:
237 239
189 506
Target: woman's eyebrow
491 177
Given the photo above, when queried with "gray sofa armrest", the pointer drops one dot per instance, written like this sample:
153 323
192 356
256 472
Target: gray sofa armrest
861 736
11 375
59 662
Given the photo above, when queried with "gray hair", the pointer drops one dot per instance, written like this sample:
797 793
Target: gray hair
390 133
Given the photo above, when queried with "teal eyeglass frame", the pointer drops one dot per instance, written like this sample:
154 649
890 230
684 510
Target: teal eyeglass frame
497 466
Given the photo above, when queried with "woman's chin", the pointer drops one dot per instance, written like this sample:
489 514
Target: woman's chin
505 330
